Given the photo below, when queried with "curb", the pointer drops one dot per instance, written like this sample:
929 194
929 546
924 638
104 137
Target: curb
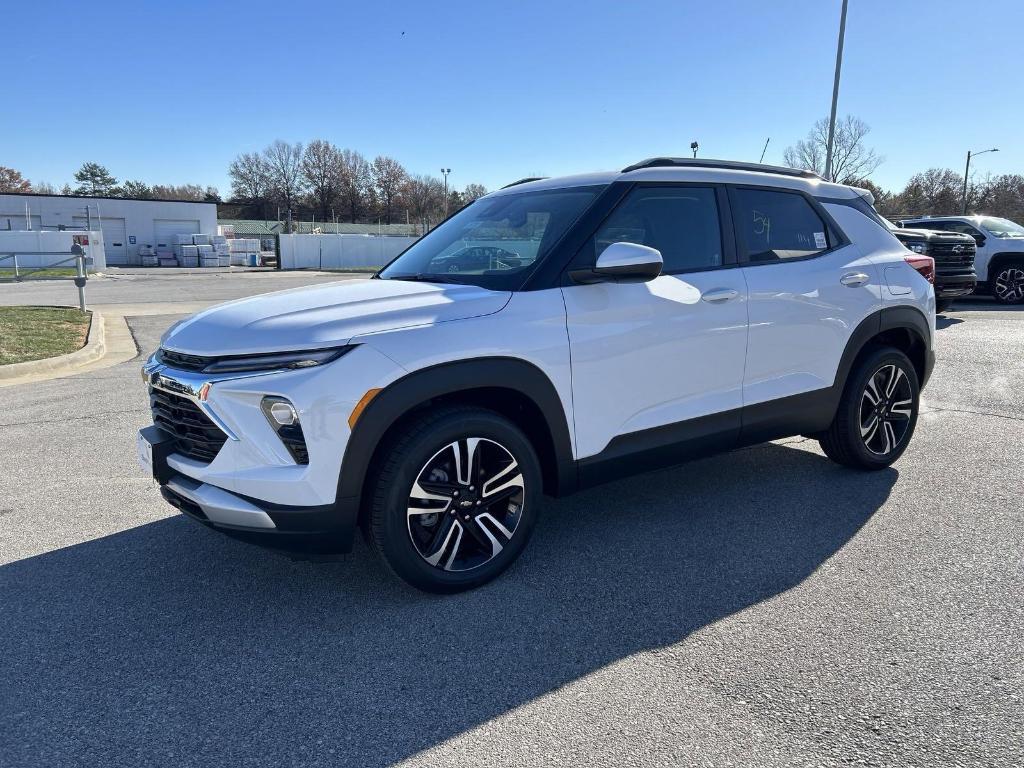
95 348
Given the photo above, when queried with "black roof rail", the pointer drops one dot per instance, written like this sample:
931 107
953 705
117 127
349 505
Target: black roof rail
732 165
525 181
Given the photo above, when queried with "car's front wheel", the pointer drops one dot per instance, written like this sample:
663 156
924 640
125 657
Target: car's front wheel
1008 283
877 413
455 499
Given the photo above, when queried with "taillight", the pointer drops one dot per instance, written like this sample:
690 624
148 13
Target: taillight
923 264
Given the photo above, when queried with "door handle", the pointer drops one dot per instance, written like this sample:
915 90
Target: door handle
854 279
719 294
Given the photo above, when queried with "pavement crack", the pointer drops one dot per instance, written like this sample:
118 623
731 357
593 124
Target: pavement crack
975 413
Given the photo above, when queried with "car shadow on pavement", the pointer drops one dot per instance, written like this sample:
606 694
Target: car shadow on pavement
942 321
169 643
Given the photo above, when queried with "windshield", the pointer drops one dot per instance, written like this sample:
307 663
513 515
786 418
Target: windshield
1002 228
495 241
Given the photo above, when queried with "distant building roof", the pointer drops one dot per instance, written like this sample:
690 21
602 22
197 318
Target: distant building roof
260 228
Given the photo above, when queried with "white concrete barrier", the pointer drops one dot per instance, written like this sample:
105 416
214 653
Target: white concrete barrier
339 251
29 244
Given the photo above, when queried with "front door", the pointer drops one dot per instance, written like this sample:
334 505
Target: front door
659 362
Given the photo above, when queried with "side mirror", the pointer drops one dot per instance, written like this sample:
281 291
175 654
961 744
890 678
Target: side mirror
622 263
979 239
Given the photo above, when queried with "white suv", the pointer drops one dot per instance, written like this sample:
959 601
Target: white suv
667 311
999 261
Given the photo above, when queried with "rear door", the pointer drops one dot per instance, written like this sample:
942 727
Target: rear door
649 360
809 288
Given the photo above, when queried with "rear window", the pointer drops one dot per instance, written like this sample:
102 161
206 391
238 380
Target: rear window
775 226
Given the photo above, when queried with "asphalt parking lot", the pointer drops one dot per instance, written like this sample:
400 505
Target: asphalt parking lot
764 607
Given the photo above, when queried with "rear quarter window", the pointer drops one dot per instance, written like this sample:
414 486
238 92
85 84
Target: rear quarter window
776 226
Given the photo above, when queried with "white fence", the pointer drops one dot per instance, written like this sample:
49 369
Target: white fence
339 251
27 243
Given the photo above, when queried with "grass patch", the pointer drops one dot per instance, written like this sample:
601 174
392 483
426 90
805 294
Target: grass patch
8 274
32 333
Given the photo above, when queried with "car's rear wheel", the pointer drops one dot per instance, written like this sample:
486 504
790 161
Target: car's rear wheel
1008 283
877 413
455 499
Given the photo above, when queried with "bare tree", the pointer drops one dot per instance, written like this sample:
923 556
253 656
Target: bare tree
250 178
473 192
425 197
12 181
43 188
356 183
852 160
388 177
322 170
284 170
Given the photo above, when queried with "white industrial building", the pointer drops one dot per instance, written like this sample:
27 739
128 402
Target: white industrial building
126 224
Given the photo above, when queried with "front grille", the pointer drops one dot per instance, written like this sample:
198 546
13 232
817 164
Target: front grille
195 436
945 257
184 362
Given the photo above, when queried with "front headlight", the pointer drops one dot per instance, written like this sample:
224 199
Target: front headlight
274 361
921 248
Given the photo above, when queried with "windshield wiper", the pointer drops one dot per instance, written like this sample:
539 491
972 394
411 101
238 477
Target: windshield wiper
425 277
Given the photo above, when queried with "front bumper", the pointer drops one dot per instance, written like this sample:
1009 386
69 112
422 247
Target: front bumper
325 529
951 286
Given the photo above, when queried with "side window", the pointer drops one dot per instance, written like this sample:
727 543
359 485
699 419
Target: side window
961 226
681 222
774 226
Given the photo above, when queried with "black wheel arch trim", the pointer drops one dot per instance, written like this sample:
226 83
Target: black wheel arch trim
885 319
419 387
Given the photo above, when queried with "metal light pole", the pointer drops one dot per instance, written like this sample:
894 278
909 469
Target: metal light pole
967 172
446 171
694 146
835 94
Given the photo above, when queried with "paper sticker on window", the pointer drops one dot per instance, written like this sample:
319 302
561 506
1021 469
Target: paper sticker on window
819 240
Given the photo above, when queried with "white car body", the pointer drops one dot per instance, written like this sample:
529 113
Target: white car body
731 354
991 247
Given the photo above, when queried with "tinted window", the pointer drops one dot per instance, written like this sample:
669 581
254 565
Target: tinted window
681 222
778 225
495 241
960 226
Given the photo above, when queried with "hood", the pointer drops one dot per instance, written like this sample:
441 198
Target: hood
930 234
326 315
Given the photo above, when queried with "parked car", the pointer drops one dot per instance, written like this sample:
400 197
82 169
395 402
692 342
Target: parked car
954 260
1000 257
476 258
674 309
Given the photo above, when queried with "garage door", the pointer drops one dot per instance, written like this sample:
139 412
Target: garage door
167 231
115 242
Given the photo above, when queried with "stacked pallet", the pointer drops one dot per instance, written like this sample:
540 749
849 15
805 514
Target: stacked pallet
245 251
147 253
221 248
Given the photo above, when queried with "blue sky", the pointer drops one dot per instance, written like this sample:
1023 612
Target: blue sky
169 92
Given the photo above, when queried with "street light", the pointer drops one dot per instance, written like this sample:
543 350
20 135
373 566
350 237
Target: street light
835 94
694 146
967 172
445 172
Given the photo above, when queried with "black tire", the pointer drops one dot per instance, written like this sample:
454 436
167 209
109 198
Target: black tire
1007 282
943 305
453 531
845 441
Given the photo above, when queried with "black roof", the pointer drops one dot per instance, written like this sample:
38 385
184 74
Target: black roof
732 165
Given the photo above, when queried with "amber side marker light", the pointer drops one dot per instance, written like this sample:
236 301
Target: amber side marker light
361 406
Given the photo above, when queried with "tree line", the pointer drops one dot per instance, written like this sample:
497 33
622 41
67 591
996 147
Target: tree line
321 181
94 180
934 192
